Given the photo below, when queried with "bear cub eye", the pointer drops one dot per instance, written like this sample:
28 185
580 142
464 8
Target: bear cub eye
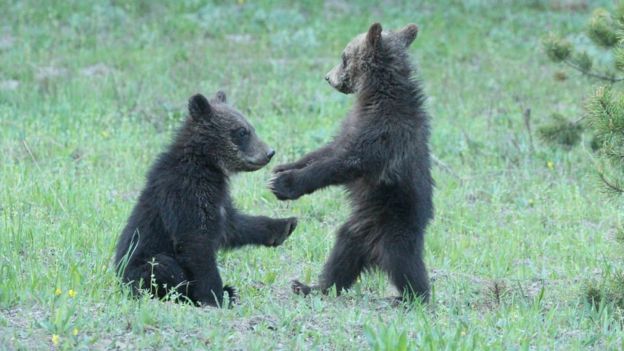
242 132
239 135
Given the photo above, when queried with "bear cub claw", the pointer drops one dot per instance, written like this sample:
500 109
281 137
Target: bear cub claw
283 186
289 227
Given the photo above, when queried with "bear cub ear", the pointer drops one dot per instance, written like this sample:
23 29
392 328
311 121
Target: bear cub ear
373 37
220 97
199 107
408 34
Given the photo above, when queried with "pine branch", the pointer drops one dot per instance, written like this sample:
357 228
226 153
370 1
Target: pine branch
593 74
561 132
602 29
598 107
613 187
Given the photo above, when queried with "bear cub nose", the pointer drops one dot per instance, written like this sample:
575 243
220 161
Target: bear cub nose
327 78
270 154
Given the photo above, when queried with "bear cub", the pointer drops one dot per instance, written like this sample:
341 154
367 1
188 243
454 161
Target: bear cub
184 214
381 155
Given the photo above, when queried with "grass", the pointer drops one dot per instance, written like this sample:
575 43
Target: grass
90 92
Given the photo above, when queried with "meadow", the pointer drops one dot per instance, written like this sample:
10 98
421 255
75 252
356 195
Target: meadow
92 91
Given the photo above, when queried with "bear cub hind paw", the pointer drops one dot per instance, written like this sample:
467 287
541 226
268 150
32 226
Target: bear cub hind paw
233 297
300 289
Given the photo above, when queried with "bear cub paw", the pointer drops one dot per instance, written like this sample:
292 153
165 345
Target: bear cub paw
233 297
286 227
300 289
284 187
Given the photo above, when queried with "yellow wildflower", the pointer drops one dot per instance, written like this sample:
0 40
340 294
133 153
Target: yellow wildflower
71 293
55 339
75 332
58 291
550 165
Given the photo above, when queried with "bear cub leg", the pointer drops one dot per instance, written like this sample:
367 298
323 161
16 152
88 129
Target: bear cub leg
257 230
304 161
346 262
199 260
404 265
161 276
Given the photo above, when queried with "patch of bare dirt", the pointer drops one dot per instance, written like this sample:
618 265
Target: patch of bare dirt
99 69
9 85
49 72
6 41
569 5
240 38
336 6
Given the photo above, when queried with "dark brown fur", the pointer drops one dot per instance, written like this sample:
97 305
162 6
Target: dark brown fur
381 155
185 214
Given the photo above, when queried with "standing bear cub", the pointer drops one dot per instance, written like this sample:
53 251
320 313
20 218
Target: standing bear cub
382 157
184 214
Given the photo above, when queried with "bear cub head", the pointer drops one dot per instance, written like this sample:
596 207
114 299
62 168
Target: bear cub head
219 133
372 52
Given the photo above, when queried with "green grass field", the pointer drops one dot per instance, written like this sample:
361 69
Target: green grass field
91 92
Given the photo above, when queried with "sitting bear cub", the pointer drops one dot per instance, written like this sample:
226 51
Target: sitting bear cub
184 214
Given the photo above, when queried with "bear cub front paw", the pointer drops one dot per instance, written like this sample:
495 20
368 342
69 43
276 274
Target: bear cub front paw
284 187
285 227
